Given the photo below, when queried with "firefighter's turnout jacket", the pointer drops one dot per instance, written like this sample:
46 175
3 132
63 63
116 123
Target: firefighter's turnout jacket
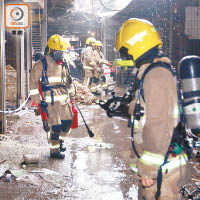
56 75
59 108
89 65
153 132
99 71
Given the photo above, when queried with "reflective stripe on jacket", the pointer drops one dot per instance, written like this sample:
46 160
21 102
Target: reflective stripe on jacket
60 98
149 158
87 67
57 75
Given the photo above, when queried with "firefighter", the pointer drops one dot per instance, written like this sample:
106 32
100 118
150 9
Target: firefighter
99 71
51 82
154 112
89 65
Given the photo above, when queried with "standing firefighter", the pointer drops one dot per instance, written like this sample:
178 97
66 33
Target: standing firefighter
50 84
162 163
89 64
99 71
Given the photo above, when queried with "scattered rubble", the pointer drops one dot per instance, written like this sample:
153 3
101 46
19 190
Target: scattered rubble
83 94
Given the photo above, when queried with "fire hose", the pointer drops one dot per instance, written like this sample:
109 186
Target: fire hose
16 110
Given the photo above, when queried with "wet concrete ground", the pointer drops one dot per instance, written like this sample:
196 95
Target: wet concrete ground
94 168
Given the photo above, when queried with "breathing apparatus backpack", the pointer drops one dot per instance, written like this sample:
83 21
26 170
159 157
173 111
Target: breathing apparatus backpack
188 90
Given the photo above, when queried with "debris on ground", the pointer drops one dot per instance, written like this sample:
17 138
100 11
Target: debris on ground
83 94
30 159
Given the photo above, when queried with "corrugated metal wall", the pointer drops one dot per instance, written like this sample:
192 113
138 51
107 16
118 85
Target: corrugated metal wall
192 29
192 22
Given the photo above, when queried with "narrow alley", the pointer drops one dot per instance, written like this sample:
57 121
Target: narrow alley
95 168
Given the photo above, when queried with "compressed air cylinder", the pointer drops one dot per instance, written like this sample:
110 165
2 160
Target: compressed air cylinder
189 75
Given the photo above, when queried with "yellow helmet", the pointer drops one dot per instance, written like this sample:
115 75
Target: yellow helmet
90 39
138 36
98 43
57 42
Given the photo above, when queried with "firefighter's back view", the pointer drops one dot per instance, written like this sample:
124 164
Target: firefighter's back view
50 84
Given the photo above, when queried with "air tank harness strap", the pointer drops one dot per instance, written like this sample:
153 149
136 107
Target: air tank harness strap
133 117
159 176
45 82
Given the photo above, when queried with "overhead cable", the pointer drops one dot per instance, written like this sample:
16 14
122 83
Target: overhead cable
106 7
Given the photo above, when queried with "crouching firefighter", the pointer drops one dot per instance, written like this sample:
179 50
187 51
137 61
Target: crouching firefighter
50 87
159 153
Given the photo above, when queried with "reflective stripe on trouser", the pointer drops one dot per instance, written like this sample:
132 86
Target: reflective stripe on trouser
55 145
170 186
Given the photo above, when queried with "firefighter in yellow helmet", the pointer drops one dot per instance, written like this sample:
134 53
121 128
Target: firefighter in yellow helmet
154 112
99 71
89 64
50 88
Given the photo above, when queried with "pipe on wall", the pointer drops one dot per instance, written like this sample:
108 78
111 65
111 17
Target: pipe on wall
2 68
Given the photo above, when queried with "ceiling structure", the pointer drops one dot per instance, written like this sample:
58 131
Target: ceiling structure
58 8
137 6
80 17
63 19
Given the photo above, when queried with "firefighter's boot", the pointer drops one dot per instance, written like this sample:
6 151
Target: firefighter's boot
57 155
62 146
